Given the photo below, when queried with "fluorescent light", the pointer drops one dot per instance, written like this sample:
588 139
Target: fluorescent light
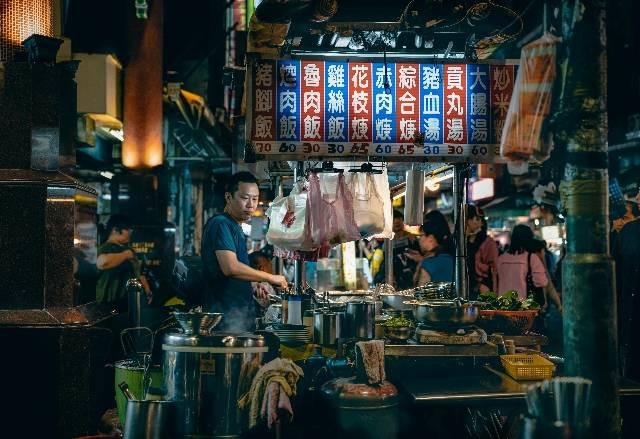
106 174
431 183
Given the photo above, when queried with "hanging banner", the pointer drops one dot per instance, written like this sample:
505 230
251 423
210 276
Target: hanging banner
430 112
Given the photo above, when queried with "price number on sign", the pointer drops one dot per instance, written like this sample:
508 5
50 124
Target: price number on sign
481 150
383 149
431 150
406 149
455 149
263 147
333 148
284 147
309 148
360 148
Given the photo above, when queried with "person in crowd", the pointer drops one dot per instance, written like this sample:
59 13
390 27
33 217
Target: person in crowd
514 265
482 254
225 262
538 248
626 252
435 244
117 263
374 252
403 242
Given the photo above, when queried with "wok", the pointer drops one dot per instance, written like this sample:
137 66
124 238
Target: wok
445 312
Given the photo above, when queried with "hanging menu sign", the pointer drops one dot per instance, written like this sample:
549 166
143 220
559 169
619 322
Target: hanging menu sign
432 112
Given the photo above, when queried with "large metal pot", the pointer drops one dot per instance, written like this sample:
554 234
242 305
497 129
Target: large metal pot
396 300
151 420
445 312
360 319
328 327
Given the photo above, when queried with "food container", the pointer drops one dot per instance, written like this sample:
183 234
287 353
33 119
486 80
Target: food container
527 367
445 312
360 319
328 327
401 333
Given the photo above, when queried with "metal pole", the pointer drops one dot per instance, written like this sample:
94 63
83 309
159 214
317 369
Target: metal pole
277 263
388 261
459 220
589 316
298 266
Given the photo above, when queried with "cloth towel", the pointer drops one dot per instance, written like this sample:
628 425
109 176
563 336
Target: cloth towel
264 399
372 354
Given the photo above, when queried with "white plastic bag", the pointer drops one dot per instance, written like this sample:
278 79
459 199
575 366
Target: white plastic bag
289 222
368 207
382 186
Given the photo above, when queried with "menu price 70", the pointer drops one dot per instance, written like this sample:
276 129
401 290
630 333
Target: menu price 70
472 153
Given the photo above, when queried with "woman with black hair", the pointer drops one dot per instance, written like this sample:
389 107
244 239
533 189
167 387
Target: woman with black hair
482 254
435 241
517 262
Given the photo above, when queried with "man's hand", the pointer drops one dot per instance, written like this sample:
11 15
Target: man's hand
261 290
414 255
279 281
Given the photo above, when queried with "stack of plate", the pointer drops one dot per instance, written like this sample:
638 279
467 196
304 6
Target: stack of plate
291 334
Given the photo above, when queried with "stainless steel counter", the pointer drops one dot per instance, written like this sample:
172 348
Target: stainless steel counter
439 350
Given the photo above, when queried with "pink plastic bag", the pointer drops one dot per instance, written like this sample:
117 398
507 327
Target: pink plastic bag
331 212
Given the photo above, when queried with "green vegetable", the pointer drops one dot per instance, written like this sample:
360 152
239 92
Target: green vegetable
509 301
398 322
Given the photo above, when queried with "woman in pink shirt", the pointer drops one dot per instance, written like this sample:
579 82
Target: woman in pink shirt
514 264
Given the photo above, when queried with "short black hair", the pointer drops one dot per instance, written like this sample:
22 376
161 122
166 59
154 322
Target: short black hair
398 214
436 224
239 177
118 221
521 238
474 211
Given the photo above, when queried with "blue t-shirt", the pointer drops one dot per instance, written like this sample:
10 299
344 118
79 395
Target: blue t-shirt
439 267
232 297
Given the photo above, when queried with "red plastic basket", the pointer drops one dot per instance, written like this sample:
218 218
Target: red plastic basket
507 322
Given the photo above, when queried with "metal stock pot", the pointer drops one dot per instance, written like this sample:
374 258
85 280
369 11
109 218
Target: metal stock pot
445 312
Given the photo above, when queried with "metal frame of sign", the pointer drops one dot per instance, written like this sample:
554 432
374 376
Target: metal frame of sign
424 123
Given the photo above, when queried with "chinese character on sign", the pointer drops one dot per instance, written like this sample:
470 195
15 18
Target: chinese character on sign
502 103
383 81
384 103
360 128
311 99
479 104
499 128
263 100
312 127
335 76
288 127
455 127
478 78
431 104
407 103
407 77
479 132
263 127
501 79
264 75
407 129
288 75
311 75
359 101
454 104
360 76
383 129
432 129
430 78
336 102
336 128
454 77
288 100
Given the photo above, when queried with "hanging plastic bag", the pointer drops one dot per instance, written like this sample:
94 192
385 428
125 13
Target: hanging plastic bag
368 208
331 217
382 186
289 224
522 136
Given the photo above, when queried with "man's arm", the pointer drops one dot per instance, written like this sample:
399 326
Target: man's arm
231 267
111 260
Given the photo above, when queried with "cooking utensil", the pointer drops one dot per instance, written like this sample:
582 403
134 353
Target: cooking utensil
136 343
398 333
197 323
360 319
328 326
445 312
397 300
151 419
124 387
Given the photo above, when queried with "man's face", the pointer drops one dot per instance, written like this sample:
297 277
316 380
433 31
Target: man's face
122 236
398 225
243 202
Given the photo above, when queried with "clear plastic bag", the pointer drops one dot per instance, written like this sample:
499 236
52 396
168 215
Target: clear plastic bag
289 222
382 186
331 216
522 136
368 208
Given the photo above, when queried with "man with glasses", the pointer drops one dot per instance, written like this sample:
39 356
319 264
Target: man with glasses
117 263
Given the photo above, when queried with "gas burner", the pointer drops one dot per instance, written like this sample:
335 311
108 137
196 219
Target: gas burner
461 336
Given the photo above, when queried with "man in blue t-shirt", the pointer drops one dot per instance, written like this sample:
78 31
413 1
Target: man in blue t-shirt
225 260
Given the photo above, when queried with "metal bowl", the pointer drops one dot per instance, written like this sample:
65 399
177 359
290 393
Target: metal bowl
445 312
197 323
396 301
401 333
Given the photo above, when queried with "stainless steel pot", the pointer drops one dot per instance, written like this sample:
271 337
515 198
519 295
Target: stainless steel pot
445 312
360 319
396 300
328 326
151 420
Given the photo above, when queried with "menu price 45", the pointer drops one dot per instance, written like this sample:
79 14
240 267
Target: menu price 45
472 153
